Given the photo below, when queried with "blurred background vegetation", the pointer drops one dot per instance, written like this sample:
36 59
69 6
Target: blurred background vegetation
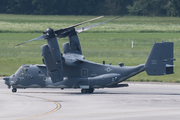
144 22
91 7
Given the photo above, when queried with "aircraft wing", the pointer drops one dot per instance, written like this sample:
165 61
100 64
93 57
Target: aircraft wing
73 59
41 65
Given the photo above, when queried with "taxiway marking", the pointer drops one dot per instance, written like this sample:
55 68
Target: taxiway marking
54 110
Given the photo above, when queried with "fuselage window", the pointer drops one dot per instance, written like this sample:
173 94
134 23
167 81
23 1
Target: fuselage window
40 74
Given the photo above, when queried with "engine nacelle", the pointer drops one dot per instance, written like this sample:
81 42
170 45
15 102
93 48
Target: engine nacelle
54 68
52 56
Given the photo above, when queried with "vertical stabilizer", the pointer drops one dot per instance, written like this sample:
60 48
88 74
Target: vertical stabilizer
160 60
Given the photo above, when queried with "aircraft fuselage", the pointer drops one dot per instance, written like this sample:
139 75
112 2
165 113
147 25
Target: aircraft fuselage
84 76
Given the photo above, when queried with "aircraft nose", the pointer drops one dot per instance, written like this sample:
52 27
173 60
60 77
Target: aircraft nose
7 81
13 80
6 78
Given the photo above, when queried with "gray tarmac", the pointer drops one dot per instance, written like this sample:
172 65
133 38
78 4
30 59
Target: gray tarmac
139 101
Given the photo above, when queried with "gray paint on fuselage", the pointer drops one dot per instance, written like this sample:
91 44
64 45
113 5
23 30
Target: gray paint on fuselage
35 77
75 78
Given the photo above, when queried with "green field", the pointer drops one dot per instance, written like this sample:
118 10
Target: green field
110 42
126 24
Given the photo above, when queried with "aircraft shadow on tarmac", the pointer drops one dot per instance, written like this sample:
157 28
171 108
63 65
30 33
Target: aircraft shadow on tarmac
108 93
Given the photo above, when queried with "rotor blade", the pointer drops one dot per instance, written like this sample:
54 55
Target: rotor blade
84 22
40 37
79 30
62 30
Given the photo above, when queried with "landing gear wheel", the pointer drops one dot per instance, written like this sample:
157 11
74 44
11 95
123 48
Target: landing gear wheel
83 91
91 90
14 90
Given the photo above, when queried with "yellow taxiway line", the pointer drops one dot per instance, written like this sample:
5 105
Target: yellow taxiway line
54 110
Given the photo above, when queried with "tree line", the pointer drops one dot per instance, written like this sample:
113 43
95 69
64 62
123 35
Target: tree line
92 7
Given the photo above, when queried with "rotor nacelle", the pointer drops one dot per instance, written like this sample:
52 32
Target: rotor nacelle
49 32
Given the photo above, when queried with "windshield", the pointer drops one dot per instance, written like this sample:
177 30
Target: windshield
22 71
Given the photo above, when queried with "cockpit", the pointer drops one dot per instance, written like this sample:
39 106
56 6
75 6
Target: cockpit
22 71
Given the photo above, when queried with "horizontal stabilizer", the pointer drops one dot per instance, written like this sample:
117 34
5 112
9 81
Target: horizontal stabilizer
160 60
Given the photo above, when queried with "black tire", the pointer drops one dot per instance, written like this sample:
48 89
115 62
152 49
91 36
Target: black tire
14 90
91 90
83 91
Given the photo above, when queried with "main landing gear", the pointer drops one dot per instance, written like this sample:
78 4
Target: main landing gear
14 90
91 90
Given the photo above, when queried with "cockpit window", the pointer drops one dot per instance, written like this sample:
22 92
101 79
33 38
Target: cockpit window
22 71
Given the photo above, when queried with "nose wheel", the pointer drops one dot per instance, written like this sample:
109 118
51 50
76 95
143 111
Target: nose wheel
14 90
91 90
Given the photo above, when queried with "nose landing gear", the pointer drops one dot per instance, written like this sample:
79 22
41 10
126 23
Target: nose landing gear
14 90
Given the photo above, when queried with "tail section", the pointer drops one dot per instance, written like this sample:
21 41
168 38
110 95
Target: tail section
160 60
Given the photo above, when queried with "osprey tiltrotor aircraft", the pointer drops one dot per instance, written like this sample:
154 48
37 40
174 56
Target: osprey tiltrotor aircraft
71 70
